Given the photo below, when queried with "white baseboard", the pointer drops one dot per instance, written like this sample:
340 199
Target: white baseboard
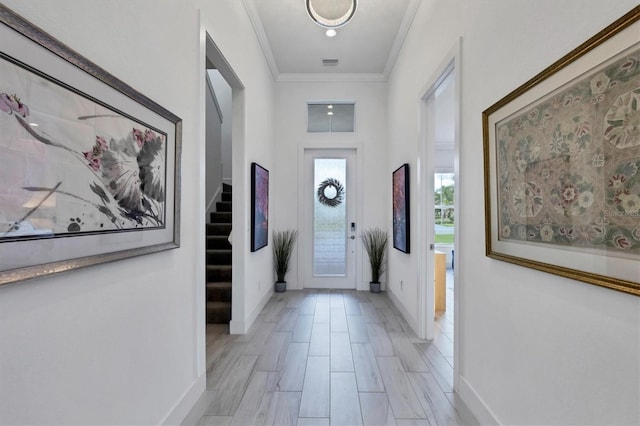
476 405
408 317
189 398
241 327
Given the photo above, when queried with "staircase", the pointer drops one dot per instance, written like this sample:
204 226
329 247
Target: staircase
219 261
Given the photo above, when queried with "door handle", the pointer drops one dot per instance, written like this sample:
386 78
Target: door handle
353 237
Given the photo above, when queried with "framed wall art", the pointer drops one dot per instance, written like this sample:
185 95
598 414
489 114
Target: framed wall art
259 207
89 167
401 228
562 164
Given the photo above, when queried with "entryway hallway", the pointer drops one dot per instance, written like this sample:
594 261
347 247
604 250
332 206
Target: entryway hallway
327 357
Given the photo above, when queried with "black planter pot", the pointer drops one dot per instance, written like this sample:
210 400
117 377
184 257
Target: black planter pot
281 286
374 287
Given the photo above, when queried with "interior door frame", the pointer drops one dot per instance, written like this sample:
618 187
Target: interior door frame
426 321
357 147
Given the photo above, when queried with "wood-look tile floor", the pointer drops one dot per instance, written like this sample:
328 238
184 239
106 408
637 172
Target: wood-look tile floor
330 357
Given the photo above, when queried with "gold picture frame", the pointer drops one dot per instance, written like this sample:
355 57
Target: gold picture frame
562 164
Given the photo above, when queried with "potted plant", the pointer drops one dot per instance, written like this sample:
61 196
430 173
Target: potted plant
283 243
375 242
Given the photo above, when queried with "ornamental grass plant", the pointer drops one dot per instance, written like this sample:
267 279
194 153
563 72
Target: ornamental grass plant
283 244
375 242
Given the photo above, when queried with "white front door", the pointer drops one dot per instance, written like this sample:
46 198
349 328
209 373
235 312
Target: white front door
330 218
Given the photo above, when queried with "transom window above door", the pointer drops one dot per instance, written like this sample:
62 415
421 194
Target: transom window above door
330 117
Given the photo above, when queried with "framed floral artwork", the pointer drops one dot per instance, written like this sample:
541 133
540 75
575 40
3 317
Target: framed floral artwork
89 167
259 207
562 164
400 189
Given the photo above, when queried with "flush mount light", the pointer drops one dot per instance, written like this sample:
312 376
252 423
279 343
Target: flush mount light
331 13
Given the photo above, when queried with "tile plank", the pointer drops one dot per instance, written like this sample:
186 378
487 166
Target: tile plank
370 312
283 410
315 393
255 402
338 319
302 329
308 304
379 339
351 304
228 392
441 369
376 410
317 421
391 323
320 339
345 402
403 399
435 403
407 352
322 312
291 378
215 421
357 329
274 352
341 357
366 368
288 319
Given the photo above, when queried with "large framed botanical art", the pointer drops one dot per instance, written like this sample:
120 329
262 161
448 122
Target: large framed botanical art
89 167
400 189
259 207
562 164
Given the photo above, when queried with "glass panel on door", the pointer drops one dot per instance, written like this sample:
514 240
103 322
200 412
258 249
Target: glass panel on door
330 217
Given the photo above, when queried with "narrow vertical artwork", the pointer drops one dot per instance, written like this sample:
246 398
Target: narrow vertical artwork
259 207
401 229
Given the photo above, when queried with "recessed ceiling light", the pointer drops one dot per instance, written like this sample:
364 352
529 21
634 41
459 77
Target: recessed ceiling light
330 113
33 124
331 33
329 106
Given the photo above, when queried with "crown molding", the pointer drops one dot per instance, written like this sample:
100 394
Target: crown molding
262 37
409 15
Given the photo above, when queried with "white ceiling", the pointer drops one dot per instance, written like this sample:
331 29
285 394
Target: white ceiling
366 47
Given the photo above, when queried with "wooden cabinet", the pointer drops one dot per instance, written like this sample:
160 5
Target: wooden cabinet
440 296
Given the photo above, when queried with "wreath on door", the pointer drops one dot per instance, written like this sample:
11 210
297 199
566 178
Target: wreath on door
330 192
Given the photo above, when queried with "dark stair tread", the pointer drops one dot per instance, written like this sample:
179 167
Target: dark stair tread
219 306
222 284
219 267
220 251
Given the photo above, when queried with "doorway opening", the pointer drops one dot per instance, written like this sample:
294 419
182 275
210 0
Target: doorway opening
223 133
439 207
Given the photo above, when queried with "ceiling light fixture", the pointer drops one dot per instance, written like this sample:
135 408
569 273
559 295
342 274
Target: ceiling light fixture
331 13
331 32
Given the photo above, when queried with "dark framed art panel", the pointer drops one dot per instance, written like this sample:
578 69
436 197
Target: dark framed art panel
89 167
562 164
259 207
401 211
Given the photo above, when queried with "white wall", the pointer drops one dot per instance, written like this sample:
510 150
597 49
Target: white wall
223 93
122 343
535 348
213 185
291 134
